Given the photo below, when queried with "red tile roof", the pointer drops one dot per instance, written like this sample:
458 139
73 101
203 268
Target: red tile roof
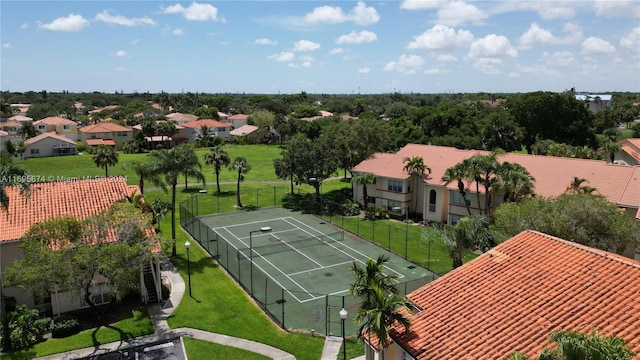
3 133
104 128
208 122
10 124
55 120
239 117
179 117
631 147
619 184
243 130
77 198
97 142
512 297
52 135
20 118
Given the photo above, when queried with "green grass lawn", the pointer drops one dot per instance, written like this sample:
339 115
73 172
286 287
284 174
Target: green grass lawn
138 324
200 349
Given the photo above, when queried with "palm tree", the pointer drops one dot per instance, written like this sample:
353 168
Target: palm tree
145 170
611 148
12 175
514 181
191 165
415 167
27 130
364 179
217 157
577 187
382 315
21 147
172 165
240 165
371 273
104 157
484 169
470 233
456 173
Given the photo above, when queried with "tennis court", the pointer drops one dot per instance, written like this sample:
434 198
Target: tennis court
295 265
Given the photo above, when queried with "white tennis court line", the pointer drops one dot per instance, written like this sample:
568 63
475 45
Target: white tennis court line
400 276
298 251
275 267
322 267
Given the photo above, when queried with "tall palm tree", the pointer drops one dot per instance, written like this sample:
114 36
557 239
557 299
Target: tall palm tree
470 233
514 181
240 165
416 168
364 179
104 157
577 187
217 157
145 171
611 148
12 175
191 165
371 273
171 164
456 173
384 313
27 130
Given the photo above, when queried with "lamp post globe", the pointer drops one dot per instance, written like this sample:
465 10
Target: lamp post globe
343 316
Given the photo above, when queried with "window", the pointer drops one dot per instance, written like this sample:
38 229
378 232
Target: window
66 127
41 127
35 151
432 201
371 200
394 185
122 134
455 219
458 199
93 136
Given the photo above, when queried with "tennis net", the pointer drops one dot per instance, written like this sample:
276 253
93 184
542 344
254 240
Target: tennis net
281 245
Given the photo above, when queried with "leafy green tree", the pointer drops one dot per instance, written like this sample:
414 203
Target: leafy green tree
416 168
217 157
105 156
21 147
165 128
514 181
364 179
22 328
470 233
207 113
12 175
145 171
241 166
587 219
171 164
10 148
69 253
500 131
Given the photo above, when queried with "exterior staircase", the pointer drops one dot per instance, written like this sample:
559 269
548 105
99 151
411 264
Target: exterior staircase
150 285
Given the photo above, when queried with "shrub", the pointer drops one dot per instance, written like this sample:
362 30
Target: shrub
64 326
80 146
22 328
350 208
376 212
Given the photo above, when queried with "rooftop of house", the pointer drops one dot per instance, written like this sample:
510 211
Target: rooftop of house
180 117
238 117
243 130
631 147
78 198
619 184
20 118
592 97
55 120
512 297
11 123
206 122
3 133
49 135
105 127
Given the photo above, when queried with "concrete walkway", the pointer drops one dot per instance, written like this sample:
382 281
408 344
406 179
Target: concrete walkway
159 315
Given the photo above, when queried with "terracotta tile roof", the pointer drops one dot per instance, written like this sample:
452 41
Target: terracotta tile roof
239 117
52 135
77 198
631 147
20 118
55 120
97 142
104 128
11 124
179 117
512 297
3 133
325 113
552 174
243 130
208 122
222 115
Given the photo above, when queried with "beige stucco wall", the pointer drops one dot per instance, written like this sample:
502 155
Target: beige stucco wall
45 147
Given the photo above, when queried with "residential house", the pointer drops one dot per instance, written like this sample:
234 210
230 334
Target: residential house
106 134
76 198
61 126
216 128
629 153
238 120
20 109
513 296
49 144
443 203
12 128
176 139
20 118
595 102
223 117
244 130
180 118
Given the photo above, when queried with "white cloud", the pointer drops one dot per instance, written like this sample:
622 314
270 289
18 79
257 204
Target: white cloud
305 45
307 58
446 58
364 70
336 51
622 8
488 66
6 45
457 13
559 58
547 10
595 45
353 37
631 41
173 31
537 36
440 37
538 71
121 53
361 14
421 4
266 41
492 46
71 23
135 41
282 56
406 64
195 12
306 64
24 26
121 20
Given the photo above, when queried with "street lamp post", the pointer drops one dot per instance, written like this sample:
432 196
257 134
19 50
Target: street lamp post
262 229
187 245
343 317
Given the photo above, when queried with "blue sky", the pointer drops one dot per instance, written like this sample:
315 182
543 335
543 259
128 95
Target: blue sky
432 46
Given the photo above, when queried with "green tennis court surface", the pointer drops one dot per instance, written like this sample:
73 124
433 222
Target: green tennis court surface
296 266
